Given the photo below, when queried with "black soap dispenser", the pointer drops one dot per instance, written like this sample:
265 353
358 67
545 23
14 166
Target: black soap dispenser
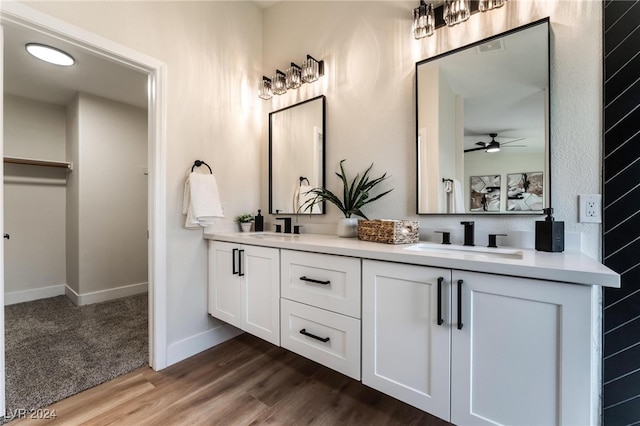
258 224
549 233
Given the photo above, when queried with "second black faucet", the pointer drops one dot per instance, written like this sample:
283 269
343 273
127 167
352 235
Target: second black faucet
468 233
287 224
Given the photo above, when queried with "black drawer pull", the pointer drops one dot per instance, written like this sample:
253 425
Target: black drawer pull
311 280
313 336
440 320
240 255
233 261
460 304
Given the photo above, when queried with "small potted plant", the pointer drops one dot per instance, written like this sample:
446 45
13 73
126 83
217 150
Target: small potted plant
355 196
245 221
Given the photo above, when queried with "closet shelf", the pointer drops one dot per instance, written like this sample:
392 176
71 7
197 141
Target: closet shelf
36 162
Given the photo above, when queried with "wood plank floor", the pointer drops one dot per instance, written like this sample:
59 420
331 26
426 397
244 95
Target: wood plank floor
244 381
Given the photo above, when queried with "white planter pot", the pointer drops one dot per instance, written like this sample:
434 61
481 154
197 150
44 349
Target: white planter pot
246 227
348 227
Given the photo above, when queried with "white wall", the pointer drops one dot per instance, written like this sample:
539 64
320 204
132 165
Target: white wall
370 58
109 191
213 55
214 52
34 198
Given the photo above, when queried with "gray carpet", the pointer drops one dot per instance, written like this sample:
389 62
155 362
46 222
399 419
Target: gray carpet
55 349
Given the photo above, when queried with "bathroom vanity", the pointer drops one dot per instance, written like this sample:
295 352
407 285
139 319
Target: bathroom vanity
472 335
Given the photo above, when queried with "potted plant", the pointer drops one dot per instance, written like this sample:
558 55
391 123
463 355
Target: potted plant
355 195
245 221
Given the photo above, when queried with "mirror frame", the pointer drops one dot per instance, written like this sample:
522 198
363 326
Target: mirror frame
324 145
547 160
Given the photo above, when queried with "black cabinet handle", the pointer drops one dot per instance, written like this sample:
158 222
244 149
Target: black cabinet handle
460 304
311 280
7 236
240 256
313 336
233 261
440 320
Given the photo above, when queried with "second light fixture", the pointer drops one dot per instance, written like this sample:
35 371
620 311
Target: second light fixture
310 71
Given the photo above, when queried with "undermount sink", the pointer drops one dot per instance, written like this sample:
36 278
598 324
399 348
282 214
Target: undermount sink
270 235
468 251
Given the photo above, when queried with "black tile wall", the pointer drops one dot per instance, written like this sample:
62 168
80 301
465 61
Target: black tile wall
621 220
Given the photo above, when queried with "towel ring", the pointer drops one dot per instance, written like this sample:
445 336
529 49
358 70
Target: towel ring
199 163
302 179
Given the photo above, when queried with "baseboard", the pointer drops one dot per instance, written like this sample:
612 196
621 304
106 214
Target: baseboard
190 346
33 294
104 295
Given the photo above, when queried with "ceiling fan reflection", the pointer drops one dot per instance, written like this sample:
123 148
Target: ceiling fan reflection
494 146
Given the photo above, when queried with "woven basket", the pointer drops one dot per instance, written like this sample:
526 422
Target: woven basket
389 231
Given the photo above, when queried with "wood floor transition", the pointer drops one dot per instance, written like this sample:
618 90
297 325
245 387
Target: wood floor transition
244 381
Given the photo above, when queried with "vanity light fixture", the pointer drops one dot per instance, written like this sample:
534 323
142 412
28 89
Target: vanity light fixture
279 83
456 11
294 76
50 54
310 71
264 88
424 20
486 5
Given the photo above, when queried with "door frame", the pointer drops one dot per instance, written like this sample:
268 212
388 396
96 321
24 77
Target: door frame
17 14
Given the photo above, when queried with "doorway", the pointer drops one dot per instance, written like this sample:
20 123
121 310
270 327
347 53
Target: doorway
22 16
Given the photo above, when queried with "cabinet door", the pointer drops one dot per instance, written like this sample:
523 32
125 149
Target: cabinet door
523 355
261 292
225 284
405 351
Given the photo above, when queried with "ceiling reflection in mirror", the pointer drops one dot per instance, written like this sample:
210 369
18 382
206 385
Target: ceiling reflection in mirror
296 156
483 126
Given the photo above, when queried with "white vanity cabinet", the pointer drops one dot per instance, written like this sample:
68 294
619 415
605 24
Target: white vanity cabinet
244 288
406 336
523 355
489 350
321 309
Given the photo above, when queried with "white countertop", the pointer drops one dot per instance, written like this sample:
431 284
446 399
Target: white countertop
565 267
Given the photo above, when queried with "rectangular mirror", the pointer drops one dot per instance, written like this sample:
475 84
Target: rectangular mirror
483 126
296 155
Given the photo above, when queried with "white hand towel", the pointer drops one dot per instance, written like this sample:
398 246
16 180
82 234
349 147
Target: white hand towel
301 197
201 201
455 200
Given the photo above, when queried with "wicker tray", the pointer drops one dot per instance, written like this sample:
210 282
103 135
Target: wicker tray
389 231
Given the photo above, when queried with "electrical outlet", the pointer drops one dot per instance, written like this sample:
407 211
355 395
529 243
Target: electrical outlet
590 208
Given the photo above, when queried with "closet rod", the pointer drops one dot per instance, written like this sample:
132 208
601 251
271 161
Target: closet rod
34 162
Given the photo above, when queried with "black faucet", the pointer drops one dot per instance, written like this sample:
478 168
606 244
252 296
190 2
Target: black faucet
492 239
287 224
468 233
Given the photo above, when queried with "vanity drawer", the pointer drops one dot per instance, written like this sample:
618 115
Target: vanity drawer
323 280
330 339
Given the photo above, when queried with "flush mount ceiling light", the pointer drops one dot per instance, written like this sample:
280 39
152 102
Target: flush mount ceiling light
50 54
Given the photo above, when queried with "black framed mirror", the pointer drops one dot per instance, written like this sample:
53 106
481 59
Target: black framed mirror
296 155
483 126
